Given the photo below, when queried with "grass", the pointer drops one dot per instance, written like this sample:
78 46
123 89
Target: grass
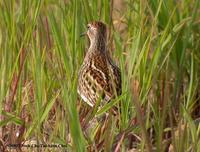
156 45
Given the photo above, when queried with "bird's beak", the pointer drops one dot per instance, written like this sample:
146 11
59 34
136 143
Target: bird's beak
83 34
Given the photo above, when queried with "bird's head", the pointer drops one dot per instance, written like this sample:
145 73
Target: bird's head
96 30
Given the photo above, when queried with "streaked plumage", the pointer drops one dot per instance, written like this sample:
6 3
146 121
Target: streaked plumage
98 77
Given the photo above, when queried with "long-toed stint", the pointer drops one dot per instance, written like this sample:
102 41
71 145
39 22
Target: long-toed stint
99 77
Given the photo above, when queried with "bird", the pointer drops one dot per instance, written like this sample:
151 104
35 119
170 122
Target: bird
99 78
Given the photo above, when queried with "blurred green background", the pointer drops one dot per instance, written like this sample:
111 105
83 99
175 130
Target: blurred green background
156 44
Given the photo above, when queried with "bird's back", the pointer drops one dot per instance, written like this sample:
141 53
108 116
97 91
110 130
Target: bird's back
99 78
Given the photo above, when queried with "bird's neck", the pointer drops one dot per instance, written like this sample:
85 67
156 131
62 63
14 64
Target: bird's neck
98 44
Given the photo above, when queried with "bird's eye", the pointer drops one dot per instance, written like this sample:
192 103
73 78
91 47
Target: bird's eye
88 26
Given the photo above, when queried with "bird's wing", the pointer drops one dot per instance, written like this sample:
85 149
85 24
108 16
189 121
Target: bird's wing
107 75
99 79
